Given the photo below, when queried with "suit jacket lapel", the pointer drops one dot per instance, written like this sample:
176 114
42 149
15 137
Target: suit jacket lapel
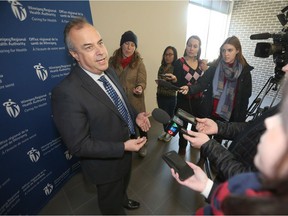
112 75
89 84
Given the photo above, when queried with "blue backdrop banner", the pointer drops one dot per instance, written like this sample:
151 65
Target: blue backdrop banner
34 162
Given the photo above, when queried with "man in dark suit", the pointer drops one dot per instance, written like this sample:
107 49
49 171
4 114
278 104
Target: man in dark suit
91 125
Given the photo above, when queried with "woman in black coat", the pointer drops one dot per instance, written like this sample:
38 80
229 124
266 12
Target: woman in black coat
227 85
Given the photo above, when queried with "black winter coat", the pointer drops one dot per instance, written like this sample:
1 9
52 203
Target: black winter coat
243 93
240 155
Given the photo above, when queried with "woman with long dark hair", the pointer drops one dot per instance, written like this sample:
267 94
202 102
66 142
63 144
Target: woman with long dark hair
166 97
188 70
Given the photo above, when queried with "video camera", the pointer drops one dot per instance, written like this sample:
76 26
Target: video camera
175 124
279 47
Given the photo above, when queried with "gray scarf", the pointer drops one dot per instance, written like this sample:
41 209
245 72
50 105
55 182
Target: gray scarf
224 86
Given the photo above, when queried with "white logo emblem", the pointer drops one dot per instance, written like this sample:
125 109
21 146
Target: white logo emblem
48 189
12 108
41 72
34 155
18 10
68 155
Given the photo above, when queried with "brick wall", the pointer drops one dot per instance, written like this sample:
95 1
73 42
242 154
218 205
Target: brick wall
253 17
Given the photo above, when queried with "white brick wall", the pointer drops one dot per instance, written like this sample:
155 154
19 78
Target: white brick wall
253 17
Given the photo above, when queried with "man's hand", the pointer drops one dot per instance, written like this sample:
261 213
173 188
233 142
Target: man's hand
134 144
143 122
207 126
196 139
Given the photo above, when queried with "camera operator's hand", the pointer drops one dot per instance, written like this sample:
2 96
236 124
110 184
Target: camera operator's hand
207 126
196 139
196 182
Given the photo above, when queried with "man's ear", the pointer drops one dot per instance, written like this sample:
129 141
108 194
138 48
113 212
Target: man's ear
74 55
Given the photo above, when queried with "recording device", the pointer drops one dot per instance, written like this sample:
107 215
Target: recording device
164 75
279 47
175 124
178 164
164 83
186 116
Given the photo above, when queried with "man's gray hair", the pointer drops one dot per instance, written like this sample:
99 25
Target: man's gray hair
77 23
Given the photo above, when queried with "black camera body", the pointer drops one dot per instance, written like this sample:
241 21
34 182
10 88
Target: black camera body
279 47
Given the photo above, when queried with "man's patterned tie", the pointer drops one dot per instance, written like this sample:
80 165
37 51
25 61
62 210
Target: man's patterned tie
118 103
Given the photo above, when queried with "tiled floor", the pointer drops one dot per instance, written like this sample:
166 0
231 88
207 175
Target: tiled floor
151 184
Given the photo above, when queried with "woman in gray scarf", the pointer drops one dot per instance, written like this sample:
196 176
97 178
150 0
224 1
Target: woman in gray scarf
227 84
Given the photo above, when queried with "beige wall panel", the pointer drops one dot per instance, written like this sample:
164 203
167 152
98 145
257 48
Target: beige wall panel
157 25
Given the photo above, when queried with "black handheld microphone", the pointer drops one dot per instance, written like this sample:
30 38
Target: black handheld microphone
261 36
160 116
174 125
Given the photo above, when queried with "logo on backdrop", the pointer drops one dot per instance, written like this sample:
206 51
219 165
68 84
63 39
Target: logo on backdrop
12 108
48 189
18 10
41 72
34 155
68 155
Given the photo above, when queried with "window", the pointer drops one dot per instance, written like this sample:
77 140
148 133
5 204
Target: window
210 21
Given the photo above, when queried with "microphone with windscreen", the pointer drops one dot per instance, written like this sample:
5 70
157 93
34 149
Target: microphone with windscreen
161 116
164 83
175 124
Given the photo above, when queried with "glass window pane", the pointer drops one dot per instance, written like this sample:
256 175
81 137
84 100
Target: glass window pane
211 26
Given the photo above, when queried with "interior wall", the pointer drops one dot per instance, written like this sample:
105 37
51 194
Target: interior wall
162 23
157 24
254 17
